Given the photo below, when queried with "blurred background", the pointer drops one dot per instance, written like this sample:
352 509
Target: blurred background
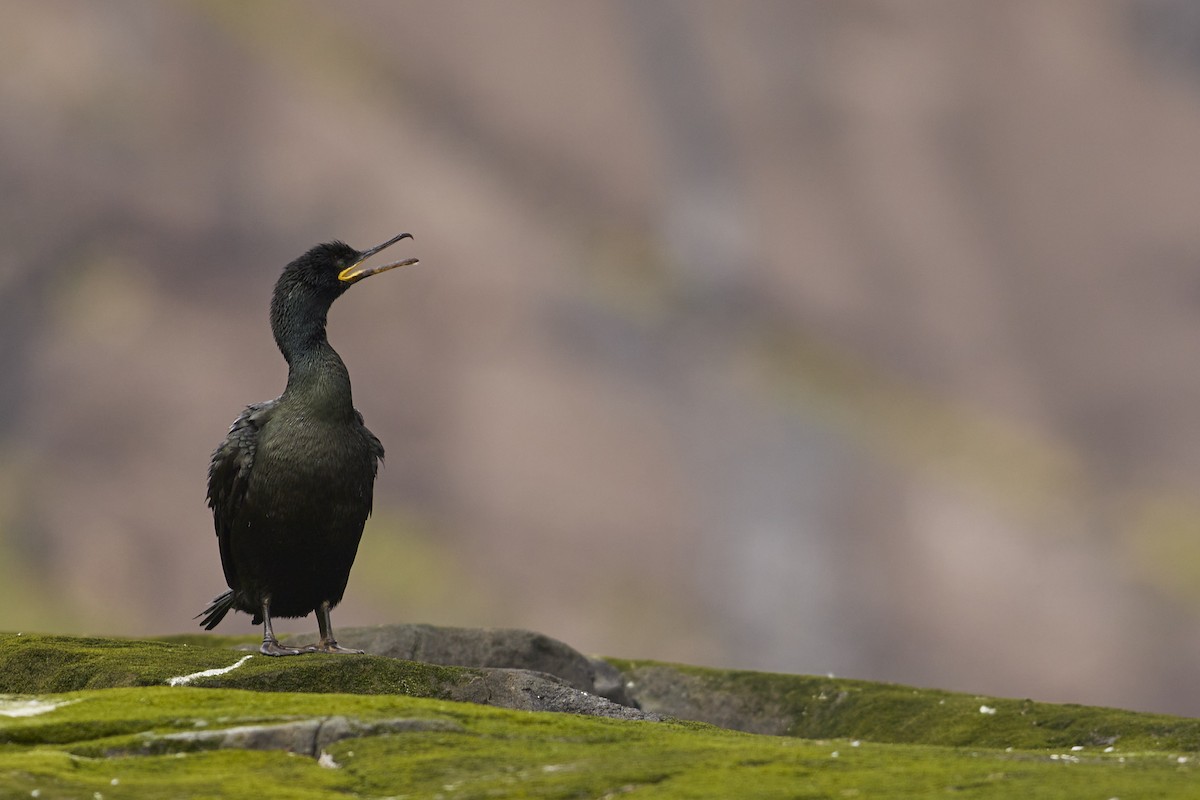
856 337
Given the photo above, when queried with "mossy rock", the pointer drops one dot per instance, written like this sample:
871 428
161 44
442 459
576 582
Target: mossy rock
823 708
65 736
35 663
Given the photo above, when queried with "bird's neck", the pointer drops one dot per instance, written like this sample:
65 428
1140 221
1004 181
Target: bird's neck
317 376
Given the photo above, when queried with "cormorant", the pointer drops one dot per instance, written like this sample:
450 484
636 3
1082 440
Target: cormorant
290 487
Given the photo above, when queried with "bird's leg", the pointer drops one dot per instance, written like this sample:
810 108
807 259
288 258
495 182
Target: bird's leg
271 645
328 644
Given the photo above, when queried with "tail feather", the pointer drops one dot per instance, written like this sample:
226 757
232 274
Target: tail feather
216 611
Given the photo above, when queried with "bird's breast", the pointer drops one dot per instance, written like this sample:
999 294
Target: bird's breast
302 453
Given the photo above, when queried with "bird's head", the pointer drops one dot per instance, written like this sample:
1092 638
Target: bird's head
333 267
310 284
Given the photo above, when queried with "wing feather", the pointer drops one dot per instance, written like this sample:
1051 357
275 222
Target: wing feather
229 478
376 448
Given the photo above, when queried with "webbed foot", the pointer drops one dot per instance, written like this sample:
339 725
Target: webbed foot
272 647
327 644
331 646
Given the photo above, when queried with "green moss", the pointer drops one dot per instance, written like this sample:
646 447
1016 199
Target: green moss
818 708
514 754
32 663
357 675
248 642
907 743
201 775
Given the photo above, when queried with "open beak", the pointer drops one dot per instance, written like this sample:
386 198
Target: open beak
356 271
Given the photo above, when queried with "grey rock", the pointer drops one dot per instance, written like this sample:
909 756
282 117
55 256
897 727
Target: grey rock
516 669
523 690
529 671
611 683
303 737
505 648
335 729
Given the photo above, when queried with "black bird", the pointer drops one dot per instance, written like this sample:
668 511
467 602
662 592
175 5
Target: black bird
290 487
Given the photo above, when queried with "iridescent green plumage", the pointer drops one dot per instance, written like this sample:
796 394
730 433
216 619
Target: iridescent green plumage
291 486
